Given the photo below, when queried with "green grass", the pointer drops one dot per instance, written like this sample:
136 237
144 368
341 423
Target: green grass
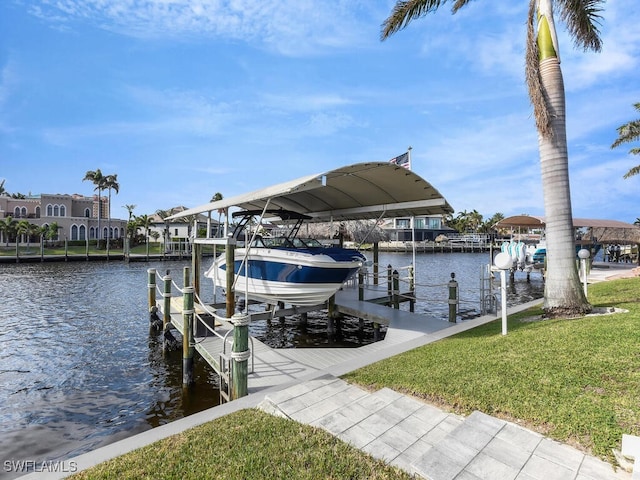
248 444
577 381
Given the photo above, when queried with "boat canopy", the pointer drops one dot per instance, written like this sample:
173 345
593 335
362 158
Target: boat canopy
354 192
598 229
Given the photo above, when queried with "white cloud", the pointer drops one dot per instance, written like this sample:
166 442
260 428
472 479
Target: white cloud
291 27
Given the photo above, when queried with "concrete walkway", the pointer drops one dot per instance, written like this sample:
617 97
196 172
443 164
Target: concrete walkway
403 431
429 443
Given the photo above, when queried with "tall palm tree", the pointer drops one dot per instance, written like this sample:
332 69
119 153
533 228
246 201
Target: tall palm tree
110 183
145 221
8 227
563 293
630 132
97 178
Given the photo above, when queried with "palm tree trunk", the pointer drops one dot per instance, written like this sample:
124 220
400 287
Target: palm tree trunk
563 293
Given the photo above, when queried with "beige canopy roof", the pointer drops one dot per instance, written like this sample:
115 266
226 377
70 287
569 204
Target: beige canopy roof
600 230
359 191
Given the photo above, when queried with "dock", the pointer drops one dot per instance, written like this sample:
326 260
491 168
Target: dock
269 367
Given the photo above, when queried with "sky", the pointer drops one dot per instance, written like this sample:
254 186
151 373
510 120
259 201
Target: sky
182 99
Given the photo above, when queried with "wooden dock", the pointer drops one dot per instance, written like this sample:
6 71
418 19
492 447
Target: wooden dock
269 366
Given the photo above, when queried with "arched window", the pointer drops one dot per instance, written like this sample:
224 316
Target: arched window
56 211
92 233
16 212
104 232
63 211
38 211
87 213
83 232
49 210
23 212
74 232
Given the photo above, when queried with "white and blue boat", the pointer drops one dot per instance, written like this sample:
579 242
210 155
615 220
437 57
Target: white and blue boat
297 271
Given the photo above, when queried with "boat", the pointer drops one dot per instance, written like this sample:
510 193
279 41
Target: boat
285 268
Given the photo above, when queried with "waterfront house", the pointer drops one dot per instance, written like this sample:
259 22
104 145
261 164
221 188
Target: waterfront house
75 215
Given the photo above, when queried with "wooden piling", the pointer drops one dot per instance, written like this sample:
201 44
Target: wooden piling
151 285
240 354
453 298
187 337
396 290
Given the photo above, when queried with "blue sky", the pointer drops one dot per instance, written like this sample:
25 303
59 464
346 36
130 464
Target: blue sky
185 98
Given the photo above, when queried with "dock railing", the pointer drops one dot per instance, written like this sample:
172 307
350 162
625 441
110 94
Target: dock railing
402 286
198 325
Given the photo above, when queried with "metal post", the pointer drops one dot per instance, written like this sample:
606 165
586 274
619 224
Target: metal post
360 285
389 281
196 259
240 355
230 266
187 337
166 308
375 262
412 290
453 298
503 299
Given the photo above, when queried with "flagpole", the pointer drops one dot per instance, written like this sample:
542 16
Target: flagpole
413 226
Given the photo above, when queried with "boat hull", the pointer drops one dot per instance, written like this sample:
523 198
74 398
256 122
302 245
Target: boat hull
304 277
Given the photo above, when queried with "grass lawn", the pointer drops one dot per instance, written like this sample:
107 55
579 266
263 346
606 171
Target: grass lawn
576 380
248 444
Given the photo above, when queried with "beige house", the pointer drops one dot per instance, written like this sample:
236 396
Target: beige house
75 215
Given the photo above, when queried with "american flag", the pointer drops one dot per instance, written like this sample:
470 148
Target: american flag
402 161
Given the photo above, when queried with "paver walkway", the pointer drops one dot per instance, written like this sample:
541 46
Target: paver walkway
429 443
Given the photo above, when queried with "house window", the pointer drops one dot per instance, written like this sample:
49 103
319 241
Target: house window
418 222
175 233
403 223
38 211
49 210
56 211
74 232
63 211
87 213
435 223
83 232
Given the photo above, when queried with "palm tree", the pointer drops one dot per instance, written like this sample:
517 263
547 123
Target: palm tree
563 293
110 183
630 132
145 221
22 228
97 178
2 189
8 227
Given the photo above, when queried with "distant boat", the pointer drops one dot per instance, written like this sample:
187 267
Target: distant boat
287 269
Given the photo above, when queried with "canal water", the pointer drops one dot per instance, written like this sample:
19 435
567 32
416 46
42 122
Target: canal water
80 368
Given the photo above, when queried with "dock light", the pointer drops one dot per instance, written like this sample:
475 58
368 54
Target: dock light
583 255
503 262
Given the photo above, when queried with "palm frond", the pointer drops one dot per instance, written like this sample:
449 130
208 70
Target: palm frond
634 171
582 18
406 10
